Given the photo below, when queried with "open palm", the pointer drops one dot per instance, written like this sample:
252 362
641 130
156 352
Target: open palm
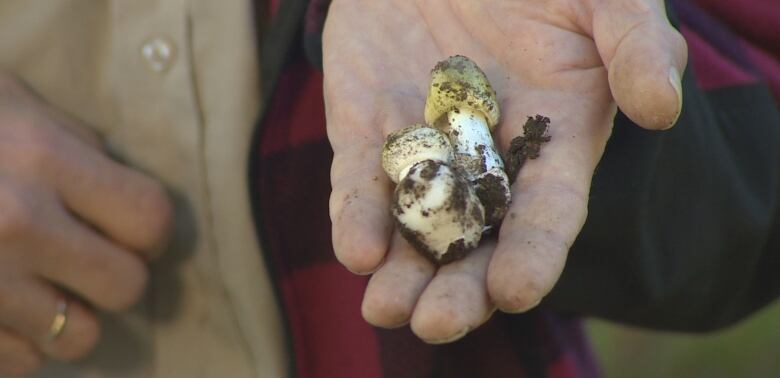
569 60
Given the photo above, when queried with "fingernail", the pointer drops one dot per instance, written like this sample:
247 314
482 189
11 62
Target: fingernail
675 81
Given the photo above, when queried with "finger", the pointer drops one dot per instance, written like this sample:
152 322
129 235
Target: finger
456 300
129 207
645 56
50 242
532 255
124 204
394 289
549 196
360 208
78 338
360 199
29 309
18 356
78 258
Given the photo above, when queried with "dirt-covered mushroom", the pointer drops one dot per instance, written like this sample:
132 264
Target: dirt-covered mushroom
435 208
437 211
462 103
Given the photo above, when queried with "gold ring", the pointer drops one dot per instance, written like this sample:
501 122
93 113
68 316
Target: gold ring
59 321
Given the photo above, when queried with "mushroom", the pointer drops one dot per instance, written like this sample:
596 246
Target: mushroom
462 103
435 208
411 145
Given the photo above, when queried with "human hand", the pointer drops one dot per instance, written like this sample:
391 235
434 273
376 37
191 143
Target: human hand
74 225
570 60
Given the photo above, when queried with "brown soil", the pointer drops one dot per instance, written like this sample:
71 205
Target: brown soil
415 239
491 193
526 146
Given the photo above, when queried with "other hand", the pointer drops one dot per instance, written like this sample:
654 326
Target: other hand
74 225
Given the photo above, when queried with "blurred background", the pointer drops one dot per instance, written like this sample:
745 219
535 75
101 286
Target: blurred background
749 349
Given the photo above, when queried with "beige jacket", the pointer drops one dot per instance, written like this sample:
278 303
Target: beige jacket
172 86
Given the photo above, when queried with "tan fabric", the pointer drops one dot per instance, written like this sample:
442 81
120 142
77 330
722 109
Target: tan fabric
210 310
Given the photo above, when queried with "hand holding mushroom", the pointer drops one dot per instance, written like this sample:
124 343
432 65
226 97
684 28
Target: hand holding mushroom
561 59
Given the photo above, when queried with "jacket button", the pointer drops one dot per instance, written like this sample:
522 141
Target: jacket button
159 54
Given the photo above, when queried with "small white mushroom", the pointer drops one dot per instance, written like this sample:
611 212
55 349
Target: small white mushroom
435 208
411 145
462 103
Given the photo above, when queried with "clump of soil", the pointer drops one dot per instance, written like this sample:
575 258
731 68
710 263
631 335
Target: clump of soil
490 191
526 146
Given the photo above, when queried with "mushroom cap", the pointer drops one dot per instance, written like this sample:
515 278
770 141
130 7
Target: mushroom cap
411 145
438 212
458 82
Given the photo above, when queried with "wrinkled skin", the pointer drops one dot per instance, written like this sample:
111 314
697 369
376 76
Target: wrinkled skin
573 61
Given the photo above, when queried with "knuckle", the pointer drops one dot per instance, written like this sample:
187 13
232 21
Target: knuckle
29 142
37 148
335 205
16 215
28 145
678 41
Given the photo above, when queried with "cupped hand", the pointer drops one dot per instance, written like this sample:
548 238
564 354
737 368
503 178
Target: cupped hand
570 60
74 225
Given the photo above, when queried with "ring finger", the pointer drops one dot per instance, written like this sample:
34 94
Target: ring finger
31 308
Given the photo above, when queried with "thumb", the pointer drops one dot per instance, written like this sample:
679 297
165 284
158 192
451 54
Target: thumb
644 56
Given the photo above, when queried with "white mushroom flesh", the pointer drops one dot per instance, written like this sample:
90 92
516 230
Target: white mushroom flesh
438 212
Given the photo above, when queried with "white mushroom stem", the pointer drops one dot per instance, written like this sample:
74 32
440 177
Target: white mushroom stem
472 142
476 153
